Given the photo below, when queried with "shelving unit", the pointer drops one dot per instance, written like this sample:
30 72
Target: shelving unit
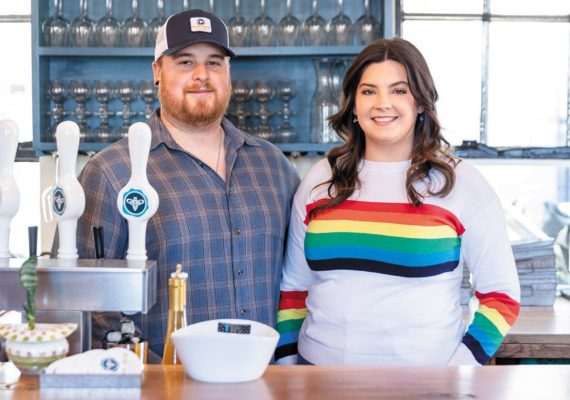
274 64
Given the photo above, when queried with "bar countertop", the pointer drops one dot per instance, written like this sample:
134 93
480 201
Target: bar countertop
312 382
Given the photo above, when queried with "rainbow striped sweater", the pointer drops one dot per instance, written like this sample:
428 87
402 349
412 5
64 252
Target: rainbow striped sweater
376 280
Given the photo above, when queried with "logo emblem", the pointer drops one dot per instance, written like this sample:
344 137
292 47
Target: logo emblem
200 24
58 200
135 203
109 364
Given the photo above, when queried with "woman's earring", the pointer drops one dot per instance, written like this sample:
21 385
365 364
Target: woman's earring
421 117
355 119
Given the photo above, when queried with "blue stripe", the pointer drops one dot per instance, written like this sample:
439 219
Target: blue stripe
288 337
382 255
483 337
475 347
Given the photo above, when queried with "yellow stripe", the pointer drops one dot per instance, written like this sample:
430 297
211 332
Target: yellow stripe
294 313
496 318
383 228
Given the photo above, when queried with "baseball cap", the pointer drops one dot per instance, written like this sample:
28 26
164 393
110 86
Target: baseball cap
189 27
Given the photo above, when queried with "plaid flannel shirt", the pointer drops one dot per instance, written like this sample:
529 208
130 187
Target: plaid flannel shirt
229 236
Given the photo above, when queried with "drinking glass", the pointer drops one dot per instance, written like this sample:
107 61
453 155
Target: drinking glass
262 28
108 29
340 27
55 27
289 28
81 29
103 91
367 28
147 92
126 92
238 28
155 24
134 28
80 92
315 28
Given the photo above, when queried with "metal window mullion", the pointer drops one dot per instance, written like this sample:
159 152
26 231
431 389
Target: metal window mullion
15 18
568 96
484 117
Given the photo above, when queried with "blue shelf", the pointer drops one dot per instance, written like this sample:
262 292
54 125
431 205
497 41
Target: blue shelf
273 51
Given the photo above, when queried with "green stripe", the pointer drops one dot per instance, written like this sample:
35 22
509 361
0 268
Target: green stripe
494 336
290 325
405 245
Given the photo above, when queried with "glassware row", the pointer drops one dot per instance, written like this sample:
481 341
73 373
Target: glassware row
134 31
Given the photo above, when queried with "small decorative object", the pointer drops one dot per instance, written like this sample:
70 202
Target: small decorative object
127 337
32 347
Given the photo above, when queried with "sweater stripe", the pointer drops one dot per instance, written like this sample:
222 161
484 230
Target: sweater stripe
290 317
495 316
404 259
389 238
381 228
412 246
398 208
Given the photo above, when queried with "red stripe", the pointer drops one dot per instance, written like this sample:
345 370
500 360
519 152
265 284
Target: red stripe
437 213
501 302
292 300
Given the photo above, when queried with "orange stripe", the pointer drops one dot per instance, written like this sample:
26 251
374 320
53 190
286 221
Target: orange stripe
292 299
501 302
404 208
396 218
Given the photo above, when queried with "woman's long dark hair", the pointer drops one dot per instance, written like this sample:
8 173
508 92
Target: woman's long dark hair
430 149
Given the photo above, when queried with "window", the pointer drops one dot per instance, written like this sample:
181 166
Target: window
501 67
16 104
502 72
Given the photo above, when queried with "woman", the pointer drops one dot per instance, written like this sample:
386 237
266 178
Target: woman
382 229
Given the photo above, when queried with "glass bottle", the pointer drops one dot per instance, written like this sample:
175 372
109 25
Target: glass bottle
324 104
176 312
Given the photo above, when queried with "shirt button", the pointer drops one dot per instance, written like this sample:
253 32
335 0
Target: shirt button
240 271
200 163
243 311
237 231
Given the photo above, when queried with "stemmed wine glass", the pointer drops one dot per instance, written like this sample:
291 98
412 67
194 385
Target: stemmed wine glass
211 6
155 24
103 91
184 5
315 28
126 93
56 93
55 27
286 133
289 28
367 27
238 28
80 92
263 27
340 27
108 29
263 92
240 94
147 92
134 28
81 29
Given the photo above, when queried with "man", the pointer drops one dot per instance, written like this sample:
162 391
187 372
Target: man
224 195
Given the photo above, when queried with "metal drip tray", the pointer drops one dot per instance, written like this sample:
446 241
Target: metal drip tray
83 285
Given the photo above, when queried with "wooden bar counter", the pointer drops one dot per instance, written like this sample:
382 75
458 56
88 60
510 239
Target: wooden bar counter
309 382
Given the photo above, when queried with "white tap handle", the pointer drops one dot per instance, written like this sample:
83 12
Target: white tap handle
68 197
138 201
9 193
67 139
139 147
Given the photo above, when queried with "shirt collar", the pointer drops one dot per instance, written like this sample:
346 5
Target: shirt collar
160 133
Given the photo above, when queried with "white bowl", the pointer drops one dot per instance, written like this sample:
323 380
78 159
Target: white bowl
211 352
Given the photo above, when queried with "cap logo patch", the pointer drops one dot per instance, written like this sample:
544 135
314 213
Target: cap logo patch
200 24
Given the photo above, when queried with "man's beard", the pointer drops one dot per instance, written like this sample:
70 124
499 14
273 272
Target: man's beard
203 112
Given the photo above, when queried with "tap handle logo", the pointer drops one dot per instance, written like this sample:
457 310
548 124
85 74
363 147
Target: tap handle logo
58 201
135 203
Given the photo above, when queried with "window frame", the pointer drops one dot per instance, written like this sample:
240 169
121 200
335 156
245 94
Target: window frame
479 149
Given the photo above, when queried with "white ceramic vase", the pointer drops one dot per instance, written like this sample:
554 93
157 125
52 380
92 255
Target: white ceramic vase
33 350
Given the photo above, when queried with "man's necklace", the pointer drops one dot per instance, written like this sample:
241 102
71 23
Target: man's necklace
219 152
